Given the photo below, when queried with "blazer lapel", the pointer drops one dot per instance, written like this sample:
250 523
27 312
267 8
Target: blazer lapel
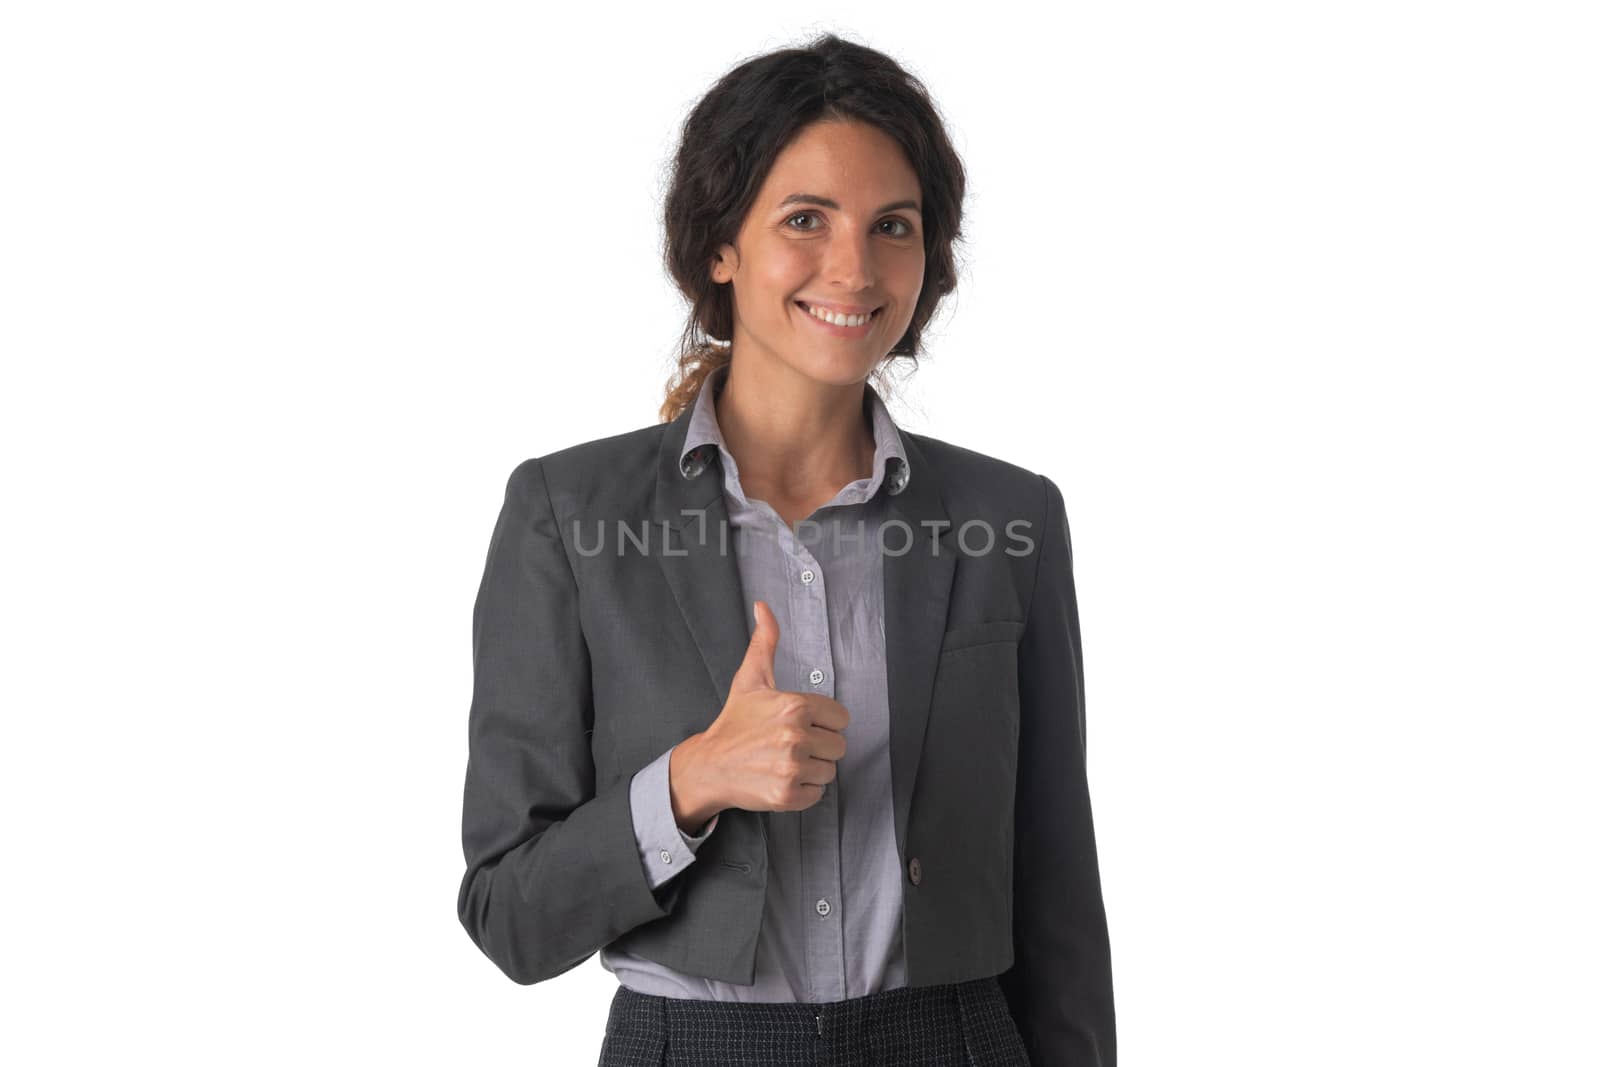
916 599
697 558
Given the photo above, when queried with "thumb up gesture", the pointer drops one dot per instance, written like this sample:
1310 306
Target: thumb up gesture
769 749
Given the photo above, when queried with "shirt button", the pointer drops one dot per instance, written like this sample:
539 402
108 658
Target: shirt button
695 461
666 857
816 676
915 870
898 475
823 907
808 576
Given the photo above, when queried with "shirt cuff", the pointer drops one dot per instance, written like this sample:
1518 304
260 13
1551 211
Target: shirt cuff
664 849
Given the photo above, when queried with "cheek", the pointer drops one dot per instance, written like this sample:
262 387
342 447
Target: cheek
785 268
909 274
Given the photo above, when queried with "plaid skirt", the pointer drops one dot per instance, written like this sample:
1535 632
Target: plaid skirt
967 1024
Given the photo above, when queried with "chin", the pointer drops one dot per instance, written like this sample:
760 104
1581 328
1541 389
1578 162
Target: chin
841 369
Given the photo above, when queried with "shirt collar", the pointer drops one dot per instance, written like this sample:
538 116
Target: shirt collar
890 468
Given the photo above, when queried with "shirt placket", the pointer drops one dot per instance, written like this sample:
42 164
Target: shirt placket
821 864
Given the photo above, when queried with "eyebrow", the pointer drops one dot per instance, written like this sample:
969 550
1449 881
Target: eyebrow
808 198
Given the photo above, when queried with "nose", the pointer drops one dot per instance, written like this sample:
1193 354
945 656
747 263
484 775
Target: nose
848 263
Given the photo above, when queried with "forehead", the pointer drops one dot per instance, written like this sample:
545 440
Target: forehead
851 162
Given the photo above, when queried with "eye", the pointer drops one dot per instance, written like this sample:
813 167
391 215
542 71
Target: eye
905 231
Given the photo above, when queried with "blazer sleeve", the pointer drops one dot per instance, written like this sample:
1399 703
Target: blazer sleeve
1059 987
553 869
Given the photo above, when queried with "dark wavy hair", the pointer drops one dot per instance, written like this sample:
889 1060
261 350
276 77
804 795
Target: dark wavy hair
727 147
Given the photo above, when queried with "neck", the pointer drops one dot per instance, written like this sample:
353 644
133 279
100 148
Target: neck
794 434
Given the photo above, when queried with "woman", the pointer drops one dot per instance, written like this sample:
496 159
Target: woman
880 849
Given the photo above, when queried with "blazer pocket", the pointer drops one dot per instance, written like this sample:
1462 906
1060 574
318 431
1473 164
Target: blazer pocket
972 634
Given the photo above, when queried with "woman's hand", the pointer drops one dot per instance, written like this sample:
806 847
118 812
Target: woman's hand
769 749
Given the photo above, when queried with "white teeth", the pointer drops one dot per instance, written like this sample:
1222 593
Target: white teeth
838 320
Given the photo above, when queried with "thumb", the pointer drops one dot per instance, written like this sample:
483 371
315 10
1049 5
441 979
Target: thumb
756 672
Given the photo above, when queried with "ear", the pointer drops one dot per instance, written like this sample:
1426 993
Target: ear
725 265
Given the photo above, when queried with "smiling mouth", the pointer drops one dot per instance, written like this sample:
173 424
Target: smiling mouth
871 315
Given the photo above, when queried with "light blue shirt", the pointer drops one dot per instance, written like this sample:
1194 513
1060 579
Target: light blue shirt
831 929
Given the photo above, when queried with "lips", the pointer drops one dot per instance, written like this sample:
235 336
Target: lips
802 305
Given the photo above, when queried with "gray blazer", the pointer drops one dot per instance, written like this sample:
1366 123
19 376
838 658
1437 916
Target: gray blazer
595 650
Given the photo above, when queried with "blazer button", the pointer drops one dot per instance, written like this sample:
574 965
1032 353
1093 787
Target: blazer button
916 871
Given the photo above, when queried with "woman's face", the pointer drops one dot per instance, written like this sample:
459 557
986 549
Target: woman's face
837 225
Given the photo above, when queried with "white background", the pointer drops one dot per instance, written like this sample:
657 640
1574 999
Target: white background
1296 303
